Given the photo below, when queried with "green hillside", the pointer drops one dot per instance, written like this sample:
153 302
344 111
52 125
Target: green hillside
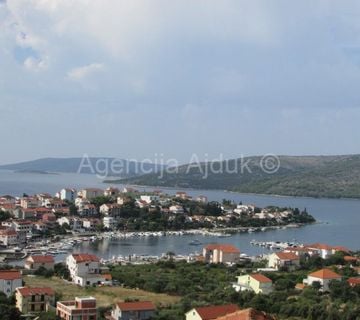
313 176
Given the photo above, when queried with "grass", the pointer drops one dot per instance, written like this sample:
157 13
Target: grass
105 296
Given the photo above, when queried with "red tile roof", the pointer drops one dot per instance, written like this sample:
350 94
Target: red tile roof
287 255
8 232
213 312
247 314
227 248
354 281
84 257
136 306
325 274
10 274
42 259
26 291
260 277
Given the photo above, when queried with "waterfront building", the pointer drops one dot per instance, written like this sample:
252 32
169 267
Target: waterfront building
90 193
221 253
288 260
34 262
34 300
83 308
68 194
110 209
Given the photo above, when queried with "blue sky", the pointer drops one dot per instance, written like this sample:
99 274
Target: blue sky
139 79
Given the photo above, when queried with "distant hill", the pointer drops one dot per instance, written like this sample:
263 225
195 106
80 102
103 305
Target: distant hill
72 165
313 176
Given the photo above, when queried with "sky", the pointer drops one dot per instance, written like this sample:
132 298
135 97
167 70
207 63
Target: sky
159 79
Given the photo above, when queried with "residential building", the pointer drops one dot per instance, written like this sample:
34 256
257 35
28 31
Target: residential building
91 193
176 209
254 282
84 269
325 250
8 237
202 199
181 195
110 209
90 223
247 314
34 300
279 260
29 202
87 210
110 223
9 281
353 282
149 198
139 310
111 192
74 223
323 277
83 308
68 194
221 253
23 226
211 312
36 261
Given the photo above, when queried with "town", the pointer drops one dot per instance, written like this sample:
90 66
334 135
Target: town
39 227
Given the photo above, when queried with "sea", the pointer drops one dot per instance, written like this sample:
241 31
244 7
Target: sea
338 220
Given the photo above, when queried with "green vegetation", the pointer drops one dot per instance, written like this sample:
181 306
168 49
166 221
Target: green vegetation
8 310
313 176
201 284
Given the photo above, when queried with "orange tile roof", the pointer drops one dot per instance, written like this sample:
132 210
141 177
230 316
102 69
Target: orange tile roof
8 232
351 259
228 248
84 257
136 306
26 291
354 281
10 274
42 259
300 286
107 276
213 312
287 255
247 314
321 246
325 274
260 277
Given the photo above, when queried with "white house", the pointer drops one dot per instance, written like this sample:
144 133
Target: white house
324 277
278 260
9 281
91 193
110 209
111 191
254 282
176 209
138 310
149 198
84 269
87 210
221 253
210 312
8 237
73 222
68 194
110 223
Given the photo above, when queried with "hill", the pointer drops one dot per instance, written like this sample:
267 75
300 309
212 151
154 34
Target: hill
313 176
121 168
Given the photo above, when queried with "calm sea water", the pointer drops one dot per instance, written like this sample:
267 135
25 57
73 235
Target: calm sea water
339 220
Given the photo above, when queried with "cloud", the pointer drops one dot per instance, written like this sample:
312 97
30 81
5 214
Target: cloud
34 64
80 73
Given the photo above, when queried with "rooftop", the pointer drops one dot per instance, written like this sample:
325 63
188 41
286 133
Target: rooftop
136 306
26 291
325 274
228 248
213 312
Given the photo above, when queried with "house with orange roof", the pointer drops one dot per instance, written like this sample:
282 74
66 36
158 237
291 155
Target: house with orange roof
247 314
211 312
34 262
8 237
137 310
9 281
281 259
353 282
221 253
34 300
84 269
256 282
325 250
82 308
324 277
